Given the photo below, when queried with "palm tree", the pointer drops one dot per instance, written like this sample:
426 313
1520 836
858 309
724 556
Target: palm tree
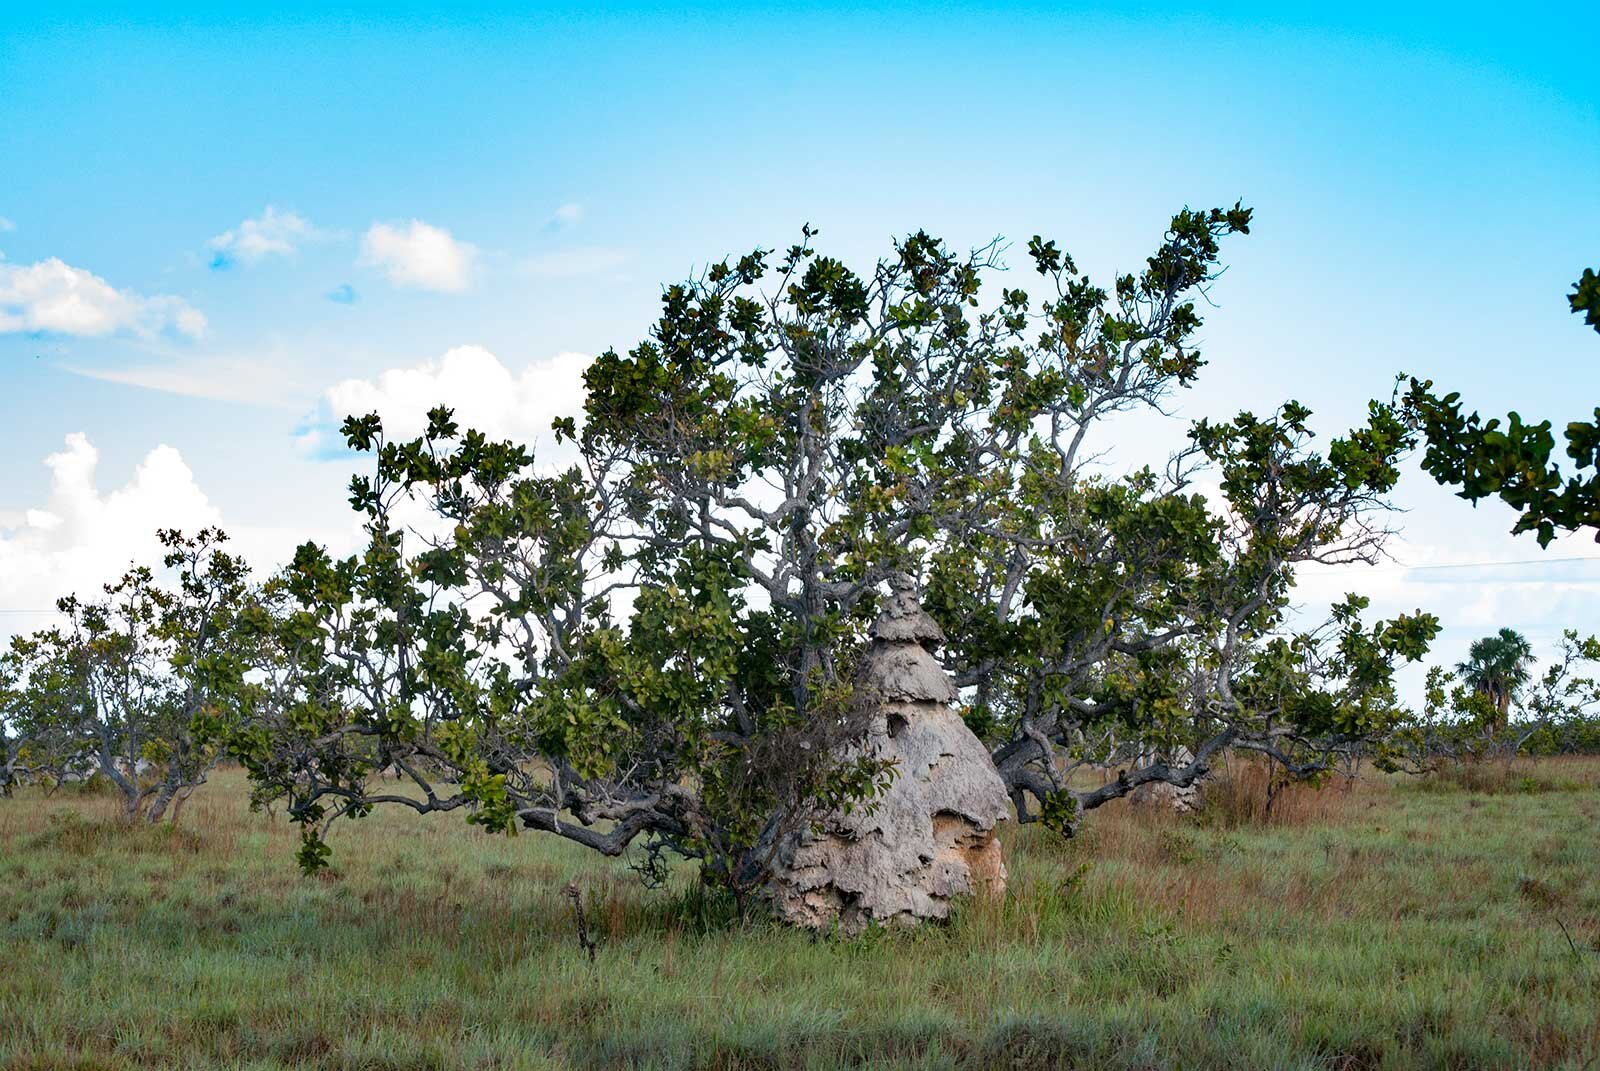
1497 666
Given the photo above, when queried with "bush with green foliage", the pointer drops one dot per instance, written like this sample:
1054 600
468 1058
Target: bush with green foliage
1493 706
135 685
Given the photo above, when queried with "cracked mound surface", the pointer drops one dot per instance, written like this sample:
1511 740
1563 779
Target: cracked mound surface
931 837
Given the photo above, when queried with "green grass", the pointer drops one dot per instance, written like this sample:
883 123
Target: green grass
1397 925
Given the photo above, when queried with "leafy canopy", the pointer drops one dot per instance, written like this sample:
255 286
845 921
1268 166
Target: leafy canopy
648 636
1512 460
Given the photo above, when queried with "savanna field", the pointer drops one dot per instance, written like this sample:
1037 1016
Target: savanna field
1448 922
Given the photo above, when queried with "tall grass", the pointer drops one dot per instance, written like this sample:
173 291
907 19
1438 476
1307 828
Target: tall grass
1254 792
1375 926
1566 773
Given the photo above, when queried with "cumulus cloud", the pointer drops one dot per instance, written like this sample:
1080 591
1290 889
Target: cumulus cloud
273 233
420 256
485 394
53 297
82 539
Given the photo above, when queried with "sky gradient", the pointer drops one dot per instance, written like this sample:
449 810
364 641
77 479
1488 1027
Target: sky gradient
216 232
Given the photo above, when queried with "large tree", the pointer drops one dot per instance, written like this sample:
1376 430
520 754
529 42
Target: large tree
655 642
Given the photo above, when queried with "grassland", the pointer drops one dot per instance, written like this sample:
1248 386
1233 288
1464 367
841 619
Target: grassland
1391 925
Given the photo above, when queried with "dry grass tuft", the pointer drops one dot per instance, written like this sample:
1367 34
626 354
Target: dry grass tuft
1248 791
1493 777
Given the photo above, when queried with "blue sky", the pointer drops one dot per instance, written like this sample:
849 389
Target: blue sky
344 196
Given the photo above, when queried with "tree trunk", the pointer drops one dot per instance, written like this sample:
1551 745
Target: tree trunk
132 804
158 806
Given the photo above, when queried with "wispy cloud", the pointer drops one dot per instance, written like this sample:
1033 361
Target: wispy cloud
52 297
568 215
6 224
1480 581
419 256
273 381
343 294
579 263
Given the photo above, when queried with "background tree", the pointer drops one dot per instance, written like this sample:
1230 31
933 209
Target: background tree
1471 714
1497 666
13 768
1562 704
127 687
656 644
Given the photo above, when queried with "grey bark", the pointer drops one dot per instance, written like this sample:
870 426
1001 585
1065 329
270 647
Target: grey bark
1182 799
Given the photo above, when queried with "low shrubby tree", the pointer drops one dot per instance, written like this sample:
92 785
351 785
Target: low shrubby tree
135 685
1494 706
13 757
1561 707
649 639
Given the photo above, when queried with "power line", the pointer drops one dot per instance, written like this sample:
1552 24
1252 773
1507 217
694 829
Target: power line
1491 565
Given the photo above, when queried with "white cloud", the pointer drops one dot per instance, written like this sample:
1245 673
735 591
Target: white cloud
485 394
273 233
419 255
1479 584
82 539
54 297
1538 592
6 224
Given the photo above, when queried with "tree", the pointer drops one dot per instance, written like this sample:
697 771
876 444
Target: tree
1497 707
1496 667
34 742
1511 461
13 768
1562 704
128 686
656 643
1585 298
